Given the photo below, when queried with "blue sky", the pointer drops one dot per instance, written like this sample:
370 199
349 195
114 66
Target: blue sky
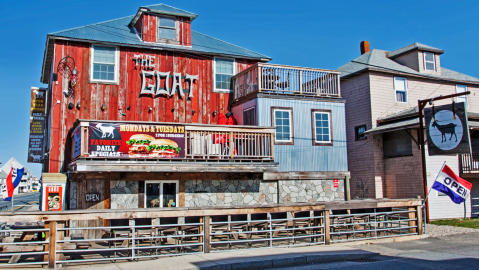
320 34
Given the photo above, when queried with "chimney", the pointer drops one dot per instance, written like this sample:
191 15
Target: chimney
364 47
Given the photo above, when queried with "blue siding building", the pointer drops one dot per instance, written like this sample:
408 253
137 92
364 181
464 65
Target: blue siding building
306 108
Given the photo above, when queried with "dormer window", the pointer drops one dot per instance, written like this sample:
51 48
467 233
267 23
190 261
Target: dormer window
429 61
167 29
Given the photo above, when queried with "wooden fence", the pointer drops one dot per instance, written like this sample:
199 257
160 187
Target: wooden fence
56 239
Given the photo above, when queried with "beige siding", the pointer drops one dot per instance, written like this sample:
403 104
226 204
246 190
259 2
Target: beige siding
410 59
421 64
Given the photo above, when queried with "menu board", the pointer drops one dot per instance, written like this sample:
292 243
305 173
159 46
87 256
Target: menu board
37 125
123 140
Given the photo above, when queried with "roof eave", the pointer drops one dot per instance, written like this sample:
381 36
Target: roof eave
159 12
438 51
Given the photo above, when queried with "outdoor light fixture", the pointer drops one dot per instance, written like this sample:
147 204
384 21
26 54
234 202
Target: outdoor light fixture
78 105
229 114
128 108
215 113
172 110
103 107
150 109
193 112
71 106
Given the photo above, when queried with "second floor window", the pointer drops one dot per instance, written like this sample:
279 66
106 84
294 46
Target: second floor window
224 71
359 132
104 61
283 121
461 89
322 127
166 28
400 85
429 63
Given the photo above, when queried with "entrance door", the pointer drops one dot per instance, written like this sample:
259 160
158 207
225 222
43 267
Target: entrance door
161 194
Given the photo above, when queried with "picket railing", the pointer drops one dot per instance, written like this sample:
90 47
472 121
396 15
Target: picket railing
281 79
61 238
469 163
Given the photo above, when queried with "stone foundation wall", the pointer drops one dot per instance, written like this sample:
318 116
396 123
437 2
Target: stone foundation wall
230 192
124 194
292 191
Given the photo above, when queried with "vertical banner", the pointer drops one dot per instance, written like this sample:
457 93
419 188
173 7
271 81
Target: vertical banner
37 125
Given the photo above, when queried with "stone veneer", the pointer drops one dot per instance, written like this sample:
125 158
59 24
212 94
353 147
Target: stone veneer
73 195
124 194
292 191
230 192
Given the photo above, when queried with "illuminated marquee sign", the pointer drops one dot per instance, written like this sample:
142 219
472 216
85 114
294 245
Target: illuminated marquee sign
147 62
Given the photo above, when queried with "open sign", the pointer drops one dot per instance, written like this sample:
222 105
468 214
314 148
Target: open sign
92 197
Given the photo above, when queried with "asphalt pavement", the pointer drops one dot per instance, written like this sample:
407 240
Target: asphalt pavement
19 200
459 251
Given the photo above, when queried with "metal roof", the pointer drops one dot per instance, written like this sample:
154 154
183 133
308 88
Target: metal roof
378 60
406 124
169 10
117 31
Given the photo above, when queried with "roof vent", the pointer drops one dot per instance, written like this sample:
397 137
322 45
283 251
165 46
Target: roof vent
364 47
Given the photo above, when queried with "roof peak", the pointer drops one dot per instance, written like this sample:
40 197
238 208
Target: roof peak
412 47
168 10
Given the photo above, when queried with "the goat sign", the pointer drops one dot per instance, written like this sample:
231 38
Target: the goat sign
447 131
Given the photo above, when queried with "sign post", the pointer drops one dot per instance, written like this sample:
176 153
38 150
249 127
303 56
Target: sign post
421 104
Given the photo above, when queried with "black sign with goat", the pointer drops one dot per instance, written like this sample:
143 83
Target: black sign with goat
447 130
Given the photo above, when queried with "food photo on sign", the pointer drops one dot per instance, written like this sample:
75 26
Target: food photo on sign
447 129
123 140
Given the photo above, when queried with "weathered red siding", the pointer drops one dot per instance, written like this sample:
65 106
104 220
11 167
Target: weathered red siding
126 93
147 26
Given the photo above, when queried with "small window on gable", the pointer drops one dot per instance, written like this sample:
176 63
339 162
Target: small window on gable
104 64
166 29
400 85
429 61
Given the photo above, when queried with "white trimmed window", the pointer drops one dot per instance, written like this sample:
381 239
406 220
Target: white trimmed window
321 127
283 121
400 85
104 64
224 69
429 61
166 29
461 89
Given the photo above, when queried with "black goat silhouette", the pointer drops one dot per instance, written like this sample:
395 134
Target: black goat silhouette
444 129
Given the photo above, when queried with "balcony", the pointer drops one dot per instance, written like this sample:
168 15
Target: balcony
469 163
205 148
281 79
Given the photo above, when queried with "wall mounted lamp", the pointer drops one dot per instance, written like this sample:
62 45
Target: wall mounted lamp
78 105
193 112
103 107
215 113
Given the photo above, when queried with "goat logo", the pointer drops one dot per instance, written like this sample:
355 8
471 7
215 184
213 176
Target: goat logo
106 131
35 157
40 94
445 131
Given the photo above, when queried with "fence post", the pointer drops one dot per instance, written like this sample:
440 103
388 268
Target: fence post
231 145
52 244
132 224
300 81
327 236
207 234
412 215
419 220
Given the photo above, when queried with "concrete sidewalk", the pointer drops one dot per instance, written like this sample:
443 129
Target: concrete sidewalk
241 259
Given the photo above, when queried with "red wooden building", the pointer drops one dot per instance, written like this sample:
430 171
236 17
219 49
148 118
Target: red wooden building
136 113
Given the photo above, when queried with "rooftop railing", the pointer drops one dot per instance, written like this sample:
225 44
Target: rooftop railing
281 79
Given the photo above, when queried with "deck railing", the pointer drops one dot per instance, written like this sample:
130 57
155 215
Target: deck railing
469 163
282 79
68 237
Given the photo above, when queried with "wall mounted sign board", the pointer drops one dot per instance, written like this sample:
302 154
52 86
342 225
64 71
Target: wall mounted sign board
124 140
447 135
37 125
92 197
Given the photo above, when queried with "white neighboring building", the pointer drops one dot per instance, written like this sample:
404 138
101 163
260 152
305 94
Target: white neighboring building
27 183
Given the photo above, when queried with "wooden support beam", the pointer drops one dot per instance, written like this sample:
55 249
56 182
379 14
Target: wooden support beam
327 236
419 220
412 215
52 244
207 232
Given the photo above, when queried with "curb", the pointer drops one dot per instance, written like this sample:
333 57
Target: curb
291 260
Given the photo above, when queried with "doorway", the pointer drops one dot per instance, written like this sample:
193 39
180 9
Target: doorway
160 194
